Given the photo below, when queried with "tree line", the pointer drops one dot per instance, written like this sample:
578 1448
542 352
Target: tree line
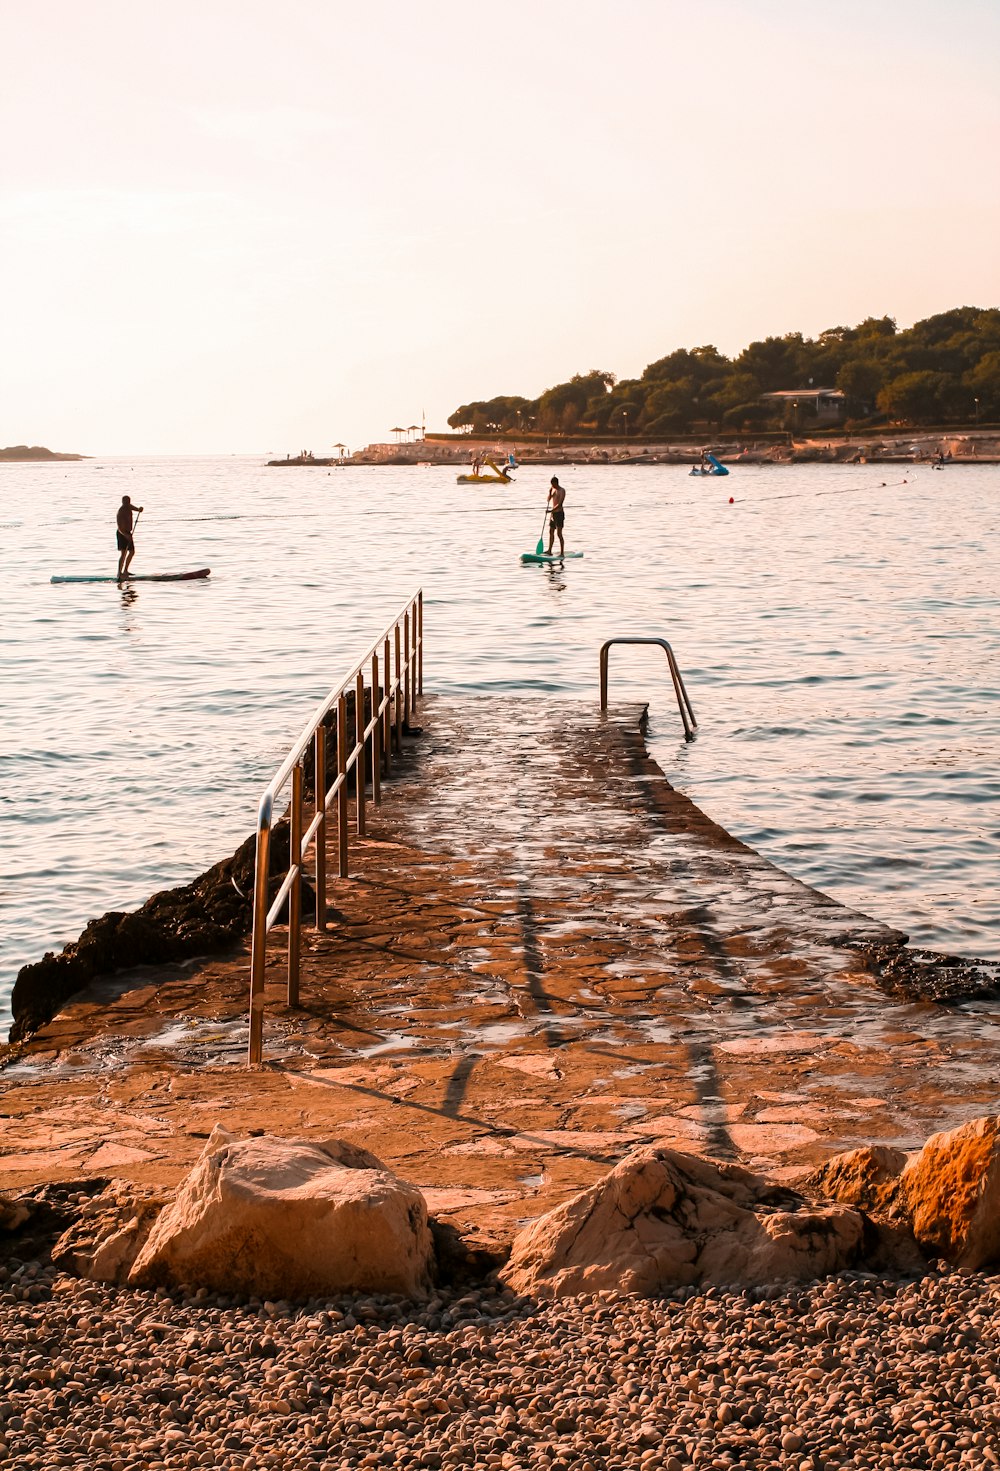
945 369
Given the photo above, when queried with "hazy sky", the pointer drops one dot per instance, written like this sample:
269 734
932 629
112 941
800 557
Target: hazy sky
242 226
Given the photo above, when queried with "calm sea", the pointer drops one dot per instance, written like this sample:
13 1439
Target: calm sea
838 628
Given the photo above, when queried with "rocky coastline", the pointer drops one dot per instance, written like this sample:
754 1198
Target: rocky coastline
192 920
890 447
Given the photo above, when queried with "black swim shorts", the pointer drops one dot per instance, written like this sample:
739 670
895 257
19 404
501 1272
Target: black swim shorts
559 519
125 543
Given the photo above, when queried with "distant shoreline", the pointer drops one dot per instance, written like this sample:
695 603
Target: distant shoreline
971 447
18 453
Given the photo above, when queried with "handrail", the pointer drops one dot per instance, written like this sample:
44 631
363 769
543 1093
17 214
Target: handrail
394 665
683 703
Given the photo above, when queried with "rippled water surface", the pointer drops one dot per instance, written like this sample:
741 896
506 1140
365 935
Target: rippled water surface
837 627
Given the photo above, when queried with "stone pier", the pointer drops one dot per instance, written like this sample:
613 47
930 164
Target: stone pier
544 956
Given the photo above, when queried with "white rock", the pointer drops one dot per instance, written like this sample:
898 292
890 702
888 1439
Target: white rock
289 1219
662 1218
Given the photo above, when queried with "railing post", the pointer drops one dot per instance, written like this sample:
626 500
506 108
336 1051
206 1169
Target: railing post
420 641
387 715
319 783
342 779
258 944
376 737
604 675
396 687
406 666
359 760
295 892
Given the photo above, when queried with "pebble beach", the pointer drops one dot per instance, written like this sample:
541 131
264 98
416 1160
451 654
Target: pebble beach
857 1371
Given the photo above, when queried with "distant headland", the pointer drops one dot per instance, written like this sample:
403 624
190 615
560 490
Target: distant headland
943 372
35 452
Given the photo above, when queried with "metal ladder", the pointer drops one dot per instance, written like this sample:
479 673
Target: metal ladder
683 703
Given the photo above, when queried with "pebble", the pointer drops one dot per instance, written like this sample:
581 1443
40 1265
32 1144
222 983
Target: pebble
858 1371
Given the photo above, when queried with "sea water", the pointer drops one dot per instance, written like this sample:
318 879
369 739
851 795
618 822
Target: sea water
838 629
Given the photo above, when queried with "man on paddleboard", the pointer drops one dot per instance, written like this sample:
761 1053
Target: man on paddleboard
557 515
126 545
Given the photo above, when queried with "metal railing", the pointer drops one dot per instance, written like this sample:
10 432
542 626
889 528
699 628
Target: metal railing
394 666
683 703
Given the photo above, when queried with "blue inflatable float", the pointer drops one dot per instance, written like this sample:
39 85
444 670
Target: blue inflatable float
716 467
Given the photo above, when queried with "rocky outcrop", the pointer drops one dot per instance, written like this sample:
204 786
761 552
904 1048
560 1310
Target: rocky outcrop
867 1178
289 1219
210 914
945 1195
910 974
35 452
106 1236
663 1219
951 1194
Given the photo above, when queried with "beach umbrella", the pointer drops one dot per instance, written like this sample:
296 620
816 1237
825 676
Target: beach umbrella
341 447
413 429
397 430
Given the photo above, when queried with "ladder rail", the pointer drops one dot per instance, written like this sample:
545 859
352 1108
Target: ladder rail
683 701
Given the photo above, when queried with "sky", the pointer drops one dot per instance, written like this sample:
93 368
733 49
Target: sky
239 227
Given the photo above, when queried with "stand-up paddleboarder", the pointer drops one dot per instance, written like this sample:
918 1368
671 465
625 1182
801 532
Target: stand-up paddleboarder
557 515
126 544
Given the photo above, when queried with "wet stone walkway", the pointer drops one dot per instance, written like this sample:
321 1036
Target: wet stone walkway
544 957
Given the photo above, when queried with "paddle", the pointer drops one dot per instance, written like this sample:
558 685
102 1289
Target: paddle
540 548
134 525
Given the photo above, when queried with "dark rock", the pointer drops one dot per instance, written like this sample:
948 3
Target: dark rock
927 975
210 914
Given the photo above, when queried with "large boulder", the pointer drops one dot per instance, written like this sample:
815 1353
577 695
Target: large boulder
284 1218
663 1219
946 1195
951 1194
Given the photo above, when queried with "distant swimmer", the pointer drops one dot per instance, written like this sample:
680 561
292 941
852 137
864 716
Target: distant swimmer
557 515
126 544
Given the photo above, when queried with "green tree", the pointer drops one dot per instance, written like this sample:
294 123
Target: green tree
697 363
776 362
983 382
860 380
494 415
723 394
624 417
922 397
580 388
935 369
672 403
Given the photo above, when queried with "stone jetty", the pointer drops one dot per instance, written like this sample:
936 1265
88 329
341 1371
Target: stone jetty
546 964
